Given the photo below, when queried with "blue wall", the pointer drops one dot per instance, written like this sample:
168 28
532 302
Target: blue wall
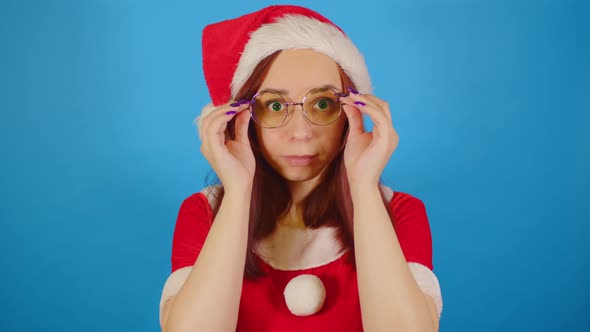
491 101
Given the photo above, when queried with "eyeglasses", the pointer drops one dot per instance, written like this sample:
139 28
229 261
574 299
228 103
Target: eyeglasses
270 109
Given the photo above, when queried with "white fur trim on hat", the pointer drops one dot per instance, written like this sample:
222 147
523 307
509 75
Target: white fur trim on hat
172 287
296 32
428 283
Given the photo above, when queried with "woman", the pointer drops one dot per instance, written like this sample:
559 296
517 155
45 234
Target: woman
300 235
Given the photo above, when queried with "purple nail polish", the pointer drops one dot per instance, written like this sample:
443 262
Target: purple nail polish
244 101
353 90
360 103
235 104
341 94
231 112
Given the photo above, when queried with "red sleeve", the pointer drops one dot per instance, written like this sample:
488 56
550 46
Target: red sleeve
412 228
192 226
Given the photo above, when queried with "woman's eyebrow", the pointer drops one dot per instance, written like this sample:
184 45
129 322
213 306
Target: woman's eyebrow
284 91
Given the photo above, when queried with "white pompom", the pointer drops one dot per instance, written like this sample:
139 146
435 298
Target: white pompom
305 295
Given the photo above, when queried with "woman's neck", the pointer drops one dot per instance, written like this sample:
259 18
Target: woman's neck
293 218
299 191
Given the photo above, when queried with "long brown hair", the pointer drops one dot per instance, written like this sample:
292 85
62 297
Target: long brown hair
329 204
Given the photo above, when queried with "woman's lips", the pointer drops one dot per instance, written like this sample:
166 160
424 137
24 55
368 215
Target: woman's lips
303 160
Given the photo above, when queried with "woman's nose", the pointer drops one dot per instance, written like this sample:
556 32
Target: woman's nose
298 127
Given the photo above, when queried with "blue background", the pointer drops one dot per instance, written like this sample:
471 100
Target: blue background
491 101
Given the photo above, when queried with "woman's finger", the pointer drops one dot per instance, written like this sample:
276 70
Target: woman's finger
214 126
366 106
242 124
355 120
218 127
205 124
383 105
386 128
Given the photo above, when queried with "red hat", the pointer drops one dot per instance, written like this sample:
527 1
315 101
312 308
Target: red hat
233 48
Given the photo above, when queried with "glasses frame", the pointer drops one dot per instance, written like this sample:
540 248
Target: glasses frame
288 104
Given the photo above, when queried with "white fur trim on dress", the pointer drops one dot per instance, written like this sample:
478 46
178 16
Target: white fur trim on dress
387 192
293 249
296 32
172 287
428 283
212 193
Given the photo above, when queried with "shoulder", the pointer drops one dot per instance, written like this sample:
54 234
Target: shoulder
399 201
202 200
412 228
194 220
196 210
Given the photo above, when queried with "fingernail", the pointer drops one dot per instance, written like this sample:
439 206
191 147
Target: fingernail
360 103
341 94
353 90
240 102
230 112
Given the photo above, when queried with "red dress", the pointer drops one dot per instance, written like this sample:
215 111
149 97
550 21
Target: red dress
262 305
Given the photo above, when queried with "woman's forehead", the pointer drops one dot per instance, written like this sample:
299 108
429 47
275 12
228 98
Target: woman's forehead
298 71
288 92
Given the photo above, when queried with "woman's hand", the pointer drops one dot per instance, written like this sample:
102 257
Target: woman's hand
232 160
367 153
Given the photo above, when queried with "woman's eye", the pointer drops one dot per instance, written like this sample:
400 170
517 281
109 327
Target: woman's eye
323 104
275 106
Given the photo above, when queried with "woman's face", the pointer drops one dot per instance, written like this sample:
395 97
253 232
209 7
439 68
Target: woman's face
296 72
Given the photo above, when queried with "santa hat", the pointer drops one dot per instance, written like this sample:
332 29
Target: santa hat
233 48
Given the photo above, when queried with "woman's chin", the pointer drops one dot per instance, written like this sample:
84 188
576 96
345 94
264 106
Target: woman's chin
298 174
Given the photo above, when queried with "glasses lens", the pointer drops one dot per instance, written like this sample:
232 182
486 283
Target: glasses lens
322 106
269 109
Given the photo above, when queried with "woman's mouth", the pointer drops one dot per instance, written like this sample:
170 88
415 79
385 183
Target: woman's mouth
299 160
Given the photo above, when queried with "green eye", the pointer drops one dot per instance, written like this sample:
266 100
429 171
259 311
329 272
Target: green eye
276 106
322 104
